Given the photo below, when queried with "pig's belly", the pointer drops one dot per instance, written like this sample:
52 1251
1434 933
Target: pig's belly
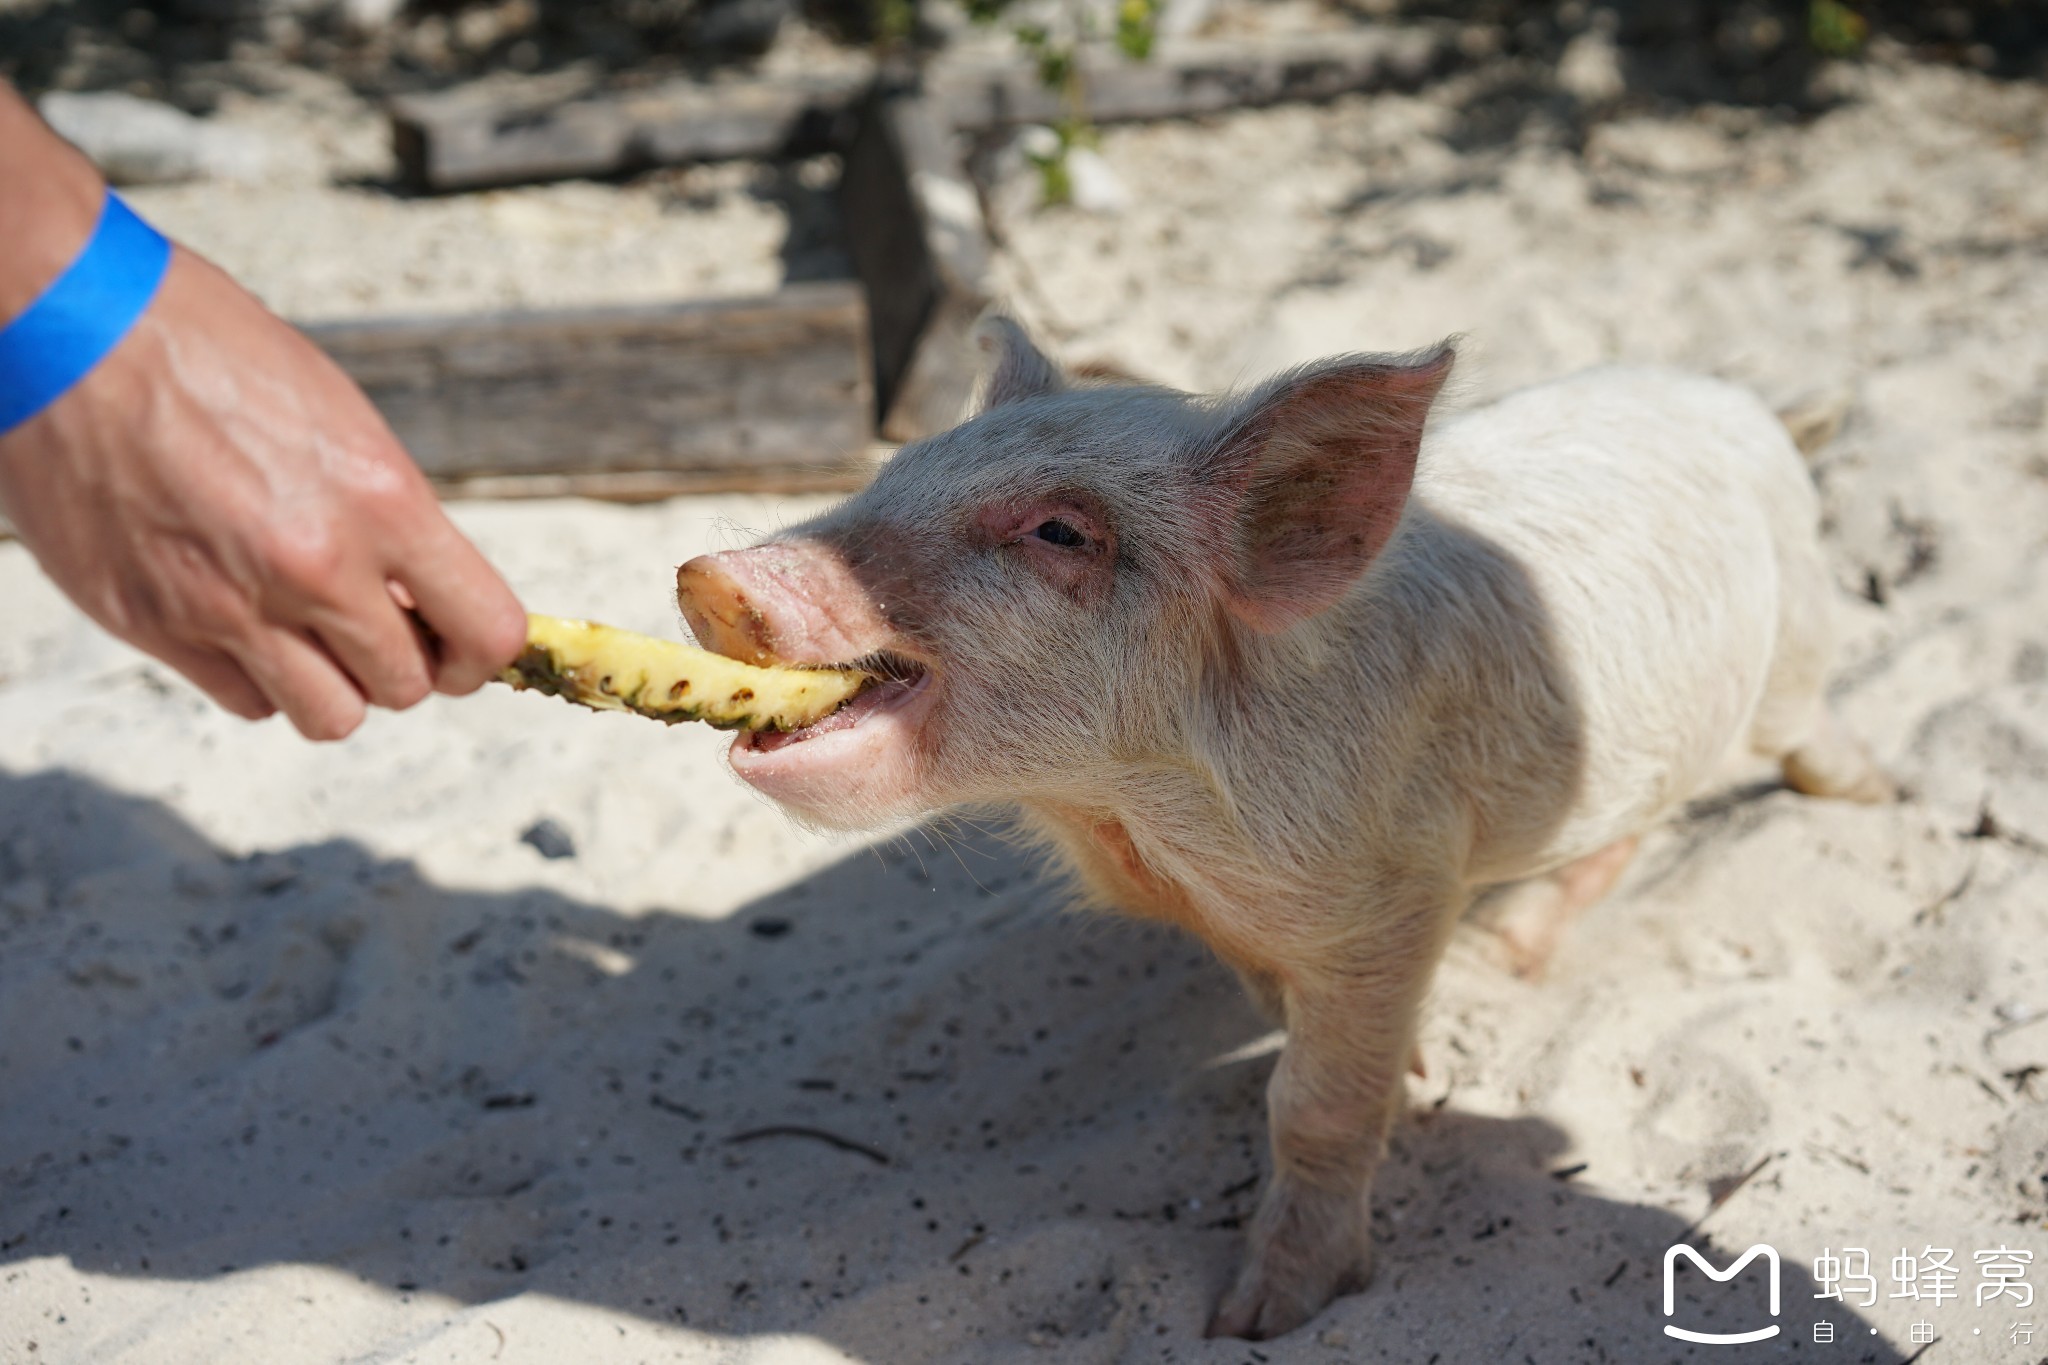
1647 510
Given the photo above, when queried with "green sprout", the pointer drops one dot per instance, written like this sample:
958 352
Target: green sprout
1059 70
1137 24
1836 29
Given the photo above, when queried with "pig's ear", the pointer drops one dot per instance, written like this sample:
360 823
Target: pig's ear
1316 469
1016 368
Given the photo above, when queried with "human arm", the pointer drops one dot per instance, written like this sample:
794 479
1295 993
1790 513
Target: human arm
220 495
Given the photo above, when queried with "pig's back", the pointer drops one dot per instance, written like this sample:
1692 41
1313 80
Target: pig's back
1653 513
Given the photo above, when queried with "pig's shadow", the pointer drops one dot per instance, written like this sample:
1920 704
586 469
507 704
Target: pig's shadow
904 1105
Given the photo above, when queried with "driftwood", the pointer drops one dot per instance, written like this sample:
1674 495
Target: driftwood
627 404
472 137
1190 77
746 393
469 138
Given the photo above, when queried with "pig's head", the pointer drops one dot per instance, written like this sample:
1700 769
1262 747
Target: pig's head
1048 592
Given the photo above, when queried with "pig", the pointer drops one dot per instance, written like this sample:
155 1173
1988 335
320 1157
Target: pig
1303 673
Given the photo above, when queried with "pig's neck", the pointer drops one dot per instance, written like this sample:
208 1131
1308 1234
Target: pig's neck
1124 860
1324 761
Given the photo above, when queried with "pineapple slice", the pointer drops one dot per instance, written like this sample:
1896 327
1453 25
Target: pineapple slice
616 670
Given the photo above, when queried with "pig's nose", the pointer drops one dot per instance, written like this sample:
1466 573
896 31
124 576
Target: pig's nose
782 603
721 614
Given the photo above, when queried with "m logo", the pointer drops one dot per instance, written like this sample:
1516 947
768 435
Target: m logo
1671 1256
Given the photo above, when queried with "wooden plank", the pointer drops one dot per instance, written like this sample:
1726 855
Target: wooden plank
473 137
770 392
1194 76
915 229
627 404
653 485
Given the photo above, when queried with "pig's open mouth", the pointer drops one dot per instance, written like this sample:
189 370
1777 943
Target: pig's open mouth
898 682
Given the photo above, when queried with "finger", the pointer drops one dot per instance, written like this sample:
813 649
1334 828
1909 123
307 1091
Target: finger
376 645
219 677
304 681
479 624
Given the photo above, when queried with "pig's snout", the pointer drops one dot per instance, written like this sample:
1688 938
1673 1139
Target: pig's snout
797 602
785 603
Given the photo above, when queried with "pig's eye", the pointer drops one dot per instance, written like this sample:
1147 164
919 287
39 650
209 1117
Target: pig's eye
1058 532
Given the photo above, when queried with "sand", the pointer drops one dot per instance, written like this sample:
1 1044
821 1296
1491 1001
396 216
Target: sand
306 1057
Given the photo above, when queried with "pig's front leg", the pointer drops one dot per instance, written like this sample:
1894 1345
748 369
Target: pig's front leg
1335 1093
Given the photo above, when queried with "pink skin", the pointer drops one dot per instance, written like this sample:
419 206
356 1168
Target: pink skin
797 602
1081 570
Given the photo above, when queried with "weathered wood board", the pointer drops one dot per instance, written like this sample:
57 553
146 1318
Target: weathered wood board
471 137
1190 77
475 137
742 393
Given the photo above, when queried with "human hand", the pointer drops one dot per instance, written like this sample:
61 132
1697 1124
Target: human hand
219 494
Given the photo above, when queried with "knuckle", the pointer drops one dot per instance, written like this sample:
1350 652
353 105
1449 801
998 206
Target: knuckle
385 488
307 556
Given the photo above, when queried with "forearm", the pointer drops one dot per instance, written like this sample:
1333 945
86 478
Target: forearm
50 198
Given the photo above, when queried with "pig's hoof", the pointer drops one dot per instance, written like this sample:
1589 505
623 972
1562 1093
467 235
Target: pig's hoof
1834 763
1260 1306
1293 1271
1861 781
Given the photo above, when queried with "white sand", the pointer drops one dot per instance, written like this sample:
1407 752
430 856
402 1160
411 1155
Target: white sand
305 1057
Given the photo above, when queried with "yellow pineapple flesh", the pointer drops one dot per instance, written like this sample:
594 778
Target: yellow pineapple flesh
615 670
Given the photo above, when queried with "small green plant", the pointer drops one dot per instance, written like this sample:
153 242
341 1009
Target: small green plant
1836 29
1057 56
1137 24
895 21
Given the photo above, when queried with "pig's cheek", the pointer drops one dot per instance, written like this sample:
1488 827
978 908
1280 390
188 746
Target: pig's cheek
1082 577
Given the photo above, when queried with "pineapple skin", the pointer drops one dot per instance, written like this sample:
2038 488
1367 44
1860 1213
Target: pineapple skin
608 669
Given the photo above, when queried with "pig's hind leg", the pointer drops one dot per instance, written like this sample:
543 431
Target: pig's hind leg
1817 754
1528 919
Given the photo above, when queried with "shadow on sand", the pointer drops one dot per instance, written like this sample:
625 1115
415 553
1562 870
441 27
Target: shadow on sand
904 1105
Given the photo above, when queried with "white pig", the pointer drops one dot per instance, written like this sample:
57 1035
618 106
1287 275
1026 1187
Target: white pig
1301 673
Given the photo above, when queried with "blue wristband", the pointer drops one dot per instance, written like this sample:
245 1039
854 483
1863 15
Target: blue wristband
82 316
